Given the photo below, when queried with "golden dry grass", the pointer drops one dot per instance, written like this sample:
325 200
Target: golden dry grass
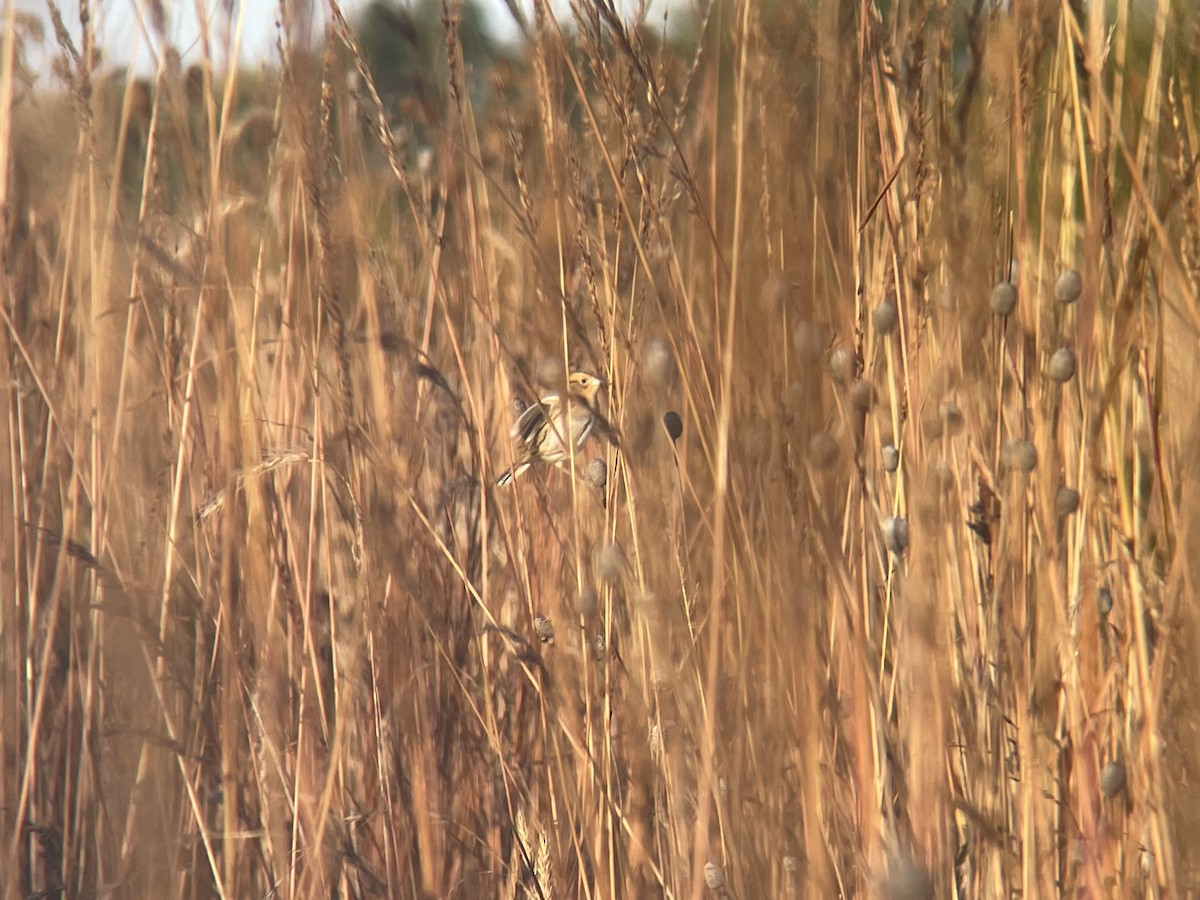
267 629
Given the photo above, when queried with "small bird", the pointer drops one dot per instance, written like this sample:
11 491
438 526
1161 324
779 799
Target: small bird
545 427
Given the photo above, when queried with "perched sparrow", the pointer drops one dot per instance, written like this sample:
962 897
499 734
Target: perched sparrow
546 426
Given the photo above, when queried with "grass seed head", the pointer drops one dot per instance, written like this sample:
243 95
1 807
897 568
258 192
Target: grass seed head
795 397
586 601
946 299
1112 778
842 365
774 295
656 741
810 340
596 473
1066 502
1061 368
757 444
943 475
933 427
549 372
1004 298
662 677
952 417
862 395
609 563
714 877
885 316
1019 455
906 879
895 534
891 458
822 450
658 363
1068 287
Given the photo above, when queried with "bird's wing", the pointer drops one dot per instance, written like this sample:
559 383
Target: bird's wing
530 422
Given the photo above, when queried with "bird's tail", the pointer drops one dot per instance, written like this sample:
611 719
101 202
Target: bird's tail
509 475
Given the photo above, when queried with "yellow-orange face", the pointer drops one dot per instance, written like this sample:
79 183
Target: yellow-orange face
584 386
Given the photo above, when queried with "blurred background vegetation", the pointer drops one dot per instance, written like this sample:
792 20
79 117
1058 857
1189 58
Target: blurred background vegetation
887 588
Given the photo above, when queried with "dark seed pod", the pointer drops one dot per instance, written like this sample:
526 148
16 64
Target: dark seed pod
673 424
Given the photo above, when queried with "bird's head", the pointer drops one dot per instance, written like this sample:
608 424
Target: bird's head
585 386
